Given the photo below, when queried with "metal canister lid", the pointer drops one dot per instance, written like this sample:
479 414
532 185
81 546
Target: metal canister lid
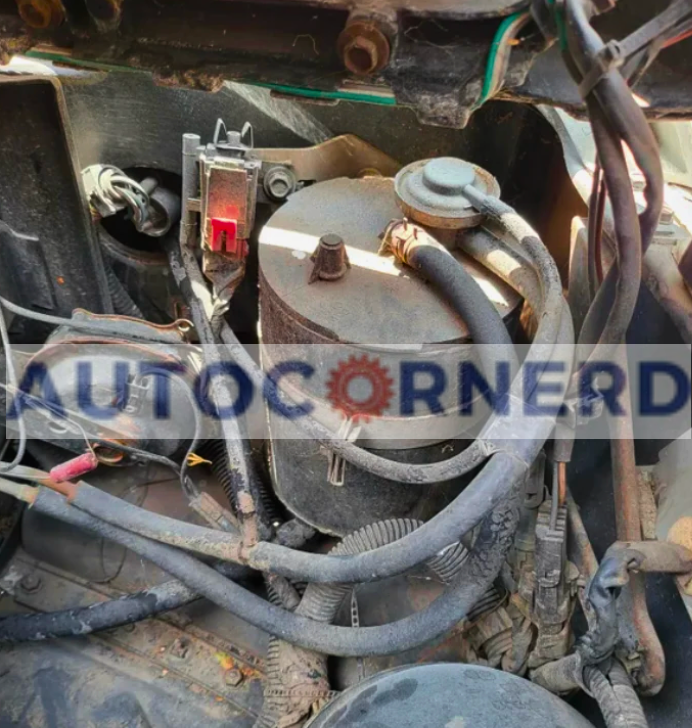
377 302
431 192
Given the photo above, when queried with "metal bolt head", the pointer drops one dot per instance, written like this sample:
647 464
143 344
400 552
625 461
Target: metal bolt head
361 56
363 47
279 183
233 677
41 14
31 583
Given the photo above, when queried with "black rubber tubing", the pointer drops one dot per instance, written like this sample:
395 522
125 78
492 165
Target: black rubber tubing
477 574
416 248
123 304
97 617
502 473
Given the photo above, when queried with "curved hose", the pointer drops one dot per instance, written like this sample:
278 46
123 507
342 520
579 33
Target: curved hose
619 704
614 109
297 678
416 248
498 479
123 304
103 615
479 571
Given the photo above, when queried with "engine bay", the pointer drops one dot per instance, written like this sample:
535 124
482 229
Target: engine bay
328 411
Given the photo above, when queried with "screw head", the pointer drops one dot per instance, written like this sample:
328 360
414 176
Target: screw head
31 583
233 677
41 14
361 56
279 183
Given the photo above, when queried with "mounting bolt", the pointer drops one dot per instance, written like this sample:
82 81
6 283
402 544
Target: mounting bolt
233 677
330 259
41 14
279 183
363 46
31 583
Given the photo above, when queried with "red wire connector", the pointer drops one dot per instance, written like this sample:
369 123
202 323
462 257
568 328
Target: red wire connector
224 238
74 468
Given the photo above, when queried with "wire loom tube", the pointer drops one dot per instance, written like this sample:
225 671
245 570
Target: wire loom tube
477 574
103 615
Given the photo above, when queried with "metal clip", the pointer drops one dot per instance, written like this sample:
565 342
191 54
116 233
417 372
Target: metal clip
336 467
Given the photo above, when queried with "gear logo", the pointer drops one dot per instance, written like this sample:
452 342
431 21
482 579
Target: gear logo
360 387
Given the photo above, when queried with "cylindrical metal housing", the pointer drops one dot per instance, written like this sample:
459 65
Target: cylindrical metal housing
371 318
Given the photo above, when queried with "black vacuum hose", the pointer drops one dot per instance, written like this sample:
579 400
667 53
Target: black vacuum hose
416 248
499 478
293 692
478 572
82 621
123 304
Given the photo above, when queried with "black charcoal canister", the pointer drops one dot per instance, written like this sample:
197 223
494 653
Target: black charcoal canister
328 298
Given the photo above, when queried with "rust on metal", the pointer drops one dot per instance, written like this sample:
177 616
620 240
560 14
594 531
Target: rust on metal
343 156
629 528
106 14
41 14
681 533
364 47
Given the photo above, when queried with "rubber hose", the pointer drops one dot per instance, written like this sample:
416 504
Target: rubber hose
608 325
416 248
617 700
104 615
498 479
291 693
123 304
321 602
476 576
630 704
216 451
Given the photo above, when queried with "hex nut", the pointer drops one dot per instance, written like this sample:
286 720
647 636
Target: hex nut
31 583
41 14
233 677
364 48
279 183
361 56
